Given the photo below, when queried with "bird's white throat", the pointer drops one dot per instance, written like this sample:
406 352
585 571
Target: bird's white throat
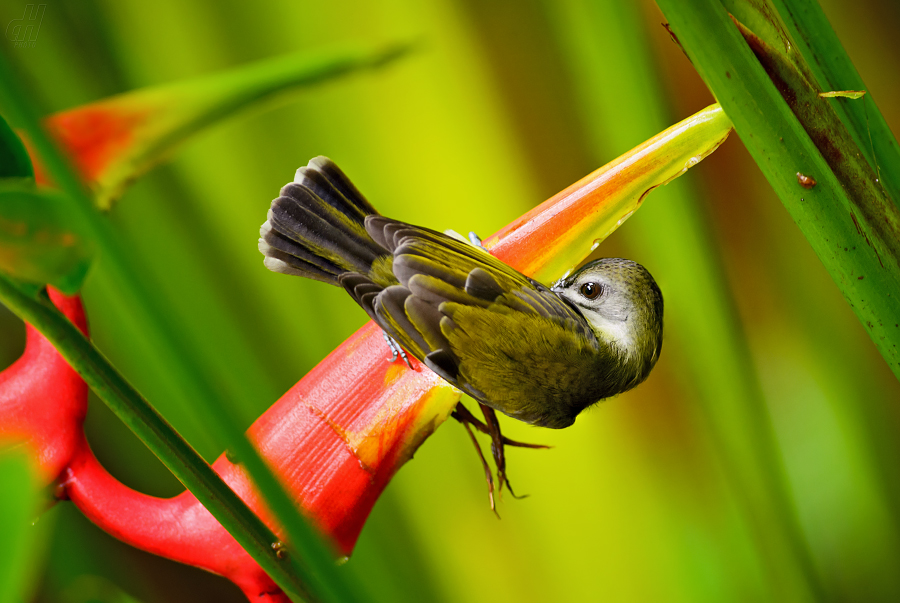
616 331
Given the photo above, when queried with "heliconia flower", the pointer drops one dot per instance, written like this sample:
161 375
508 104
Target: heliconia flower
43 401
338 436
335 439
41 238
550 240
115 140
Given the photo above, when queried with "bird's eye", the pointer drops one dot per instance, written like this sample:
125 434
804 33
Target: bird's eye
591 290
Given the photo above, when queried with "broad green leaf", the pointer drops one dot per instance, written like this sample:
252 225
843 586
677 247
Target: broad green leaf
115 140
809 158
41 240
19 508
14 160
94 589
813 35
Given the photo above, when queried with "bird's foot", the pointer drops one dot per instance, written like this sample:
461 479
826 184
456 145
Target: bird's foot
498 442
497 448
475 240
395 348
488 474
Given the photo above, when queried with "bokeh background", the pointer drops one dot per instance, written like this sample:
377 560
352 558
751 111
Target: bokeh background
501 104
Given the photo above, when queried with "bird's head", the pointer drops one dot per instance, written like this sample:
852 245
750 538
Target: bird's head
624 307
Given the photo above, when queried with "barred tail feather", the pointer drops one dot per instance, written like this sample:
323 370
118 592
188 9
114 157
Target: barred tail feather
316 228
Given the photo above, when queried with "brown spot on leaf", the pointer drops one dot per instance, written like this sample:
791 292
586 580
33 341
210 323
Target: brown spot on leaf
855 223
806 181
866 237
672 34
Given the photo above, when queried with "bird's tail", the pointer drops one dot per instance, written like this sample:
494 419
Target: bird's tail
316 228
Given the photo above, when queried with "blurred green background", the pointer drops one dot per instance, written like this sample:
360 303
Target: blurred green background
502 104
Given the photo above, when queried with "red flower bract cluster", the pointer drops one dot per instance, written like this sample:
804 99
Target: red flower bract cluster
336 438
43 401
95 136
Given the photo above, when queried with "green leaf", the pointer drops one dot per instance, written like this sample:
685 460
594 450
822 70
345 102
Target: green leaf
42 240
828 61
120 138
19 508
94 589
14 159
847 217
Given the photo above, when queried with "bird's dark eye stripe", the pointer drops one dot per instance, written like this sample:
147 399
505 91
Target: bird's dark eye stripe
591 290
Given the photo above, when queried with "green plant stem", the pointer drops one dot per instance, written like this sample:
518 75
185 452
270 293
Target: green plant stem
14 160
832 67
849 231
317 569
181 459
186 108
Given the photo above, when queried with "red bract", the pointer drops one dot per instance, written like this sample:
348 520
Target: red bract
551 238
359 417
94 136
336 438
43 401
115 140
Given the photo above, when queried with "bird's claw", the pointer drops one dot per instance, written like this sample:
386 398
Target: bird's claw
475 240
488 475
498 442
396 350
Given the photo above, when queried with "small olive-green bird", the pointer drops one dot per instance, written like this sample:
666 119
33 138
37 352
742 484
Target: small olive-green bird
536 353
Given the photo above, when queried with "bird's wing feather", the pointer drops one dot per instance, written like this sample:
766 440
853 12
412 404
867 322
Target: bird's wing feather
438 275
544 361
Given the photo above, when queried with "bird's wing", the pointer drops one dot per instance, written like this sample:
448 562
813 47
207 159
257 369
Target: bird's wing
446 287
